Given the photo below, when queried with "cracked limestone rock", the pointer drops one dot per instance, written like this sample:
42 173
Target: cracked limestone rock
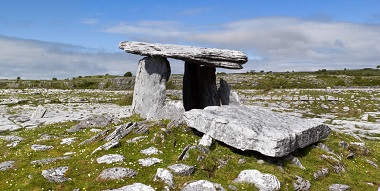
203 185
149 161
150 151
110 158
56 174
165 176
117 173
41 147
182 169
260 180
134 187
254 128
6 165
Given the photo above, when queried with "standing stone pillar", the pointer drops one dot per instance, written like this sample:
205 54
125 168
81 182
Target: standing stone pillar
199 87
150 86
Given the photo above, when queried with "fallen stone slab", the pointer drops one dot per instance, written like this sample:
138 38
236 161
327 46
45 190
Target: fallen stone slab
110 158
260 180
182 169
203 185
253 128
149 161
211 57
121 131
134 187
41 147
39 112
6 165
117 173
49 160
56 175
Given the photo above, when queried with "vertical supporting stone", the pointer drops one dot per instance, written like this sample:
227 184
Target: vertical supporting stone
199 87
226 95
150 86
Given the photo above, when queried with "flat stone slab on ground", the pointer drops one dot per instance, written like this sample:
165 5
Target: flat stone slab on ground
41 147
6 165
110 158
117 173
149 161
56 174
182 169
253 128
49 160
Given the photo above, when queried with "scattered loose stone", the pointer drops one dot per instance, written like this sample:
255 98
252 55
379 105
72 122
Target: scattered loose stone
68 141
41 147
260 161
165 176
13 144
242 161
206 140
339 187
260 180
150 151
6 165
295 161
39 112
100 136
110 158
121 131
184 154
117 173
254 128
94 121
149 161
45 137
112 144
343 144
232 187
182 169
372 163
56 174
321 173
134 187
11 138
69 153
49 160
301 184
136 139
203 185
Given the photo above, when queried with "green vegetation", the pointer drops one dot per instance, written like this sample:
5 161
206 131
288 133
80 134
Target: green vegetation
128 74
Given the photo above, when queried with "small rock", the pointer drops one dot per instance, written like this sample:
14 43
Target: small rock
45 137
345 108
339 187
301 184
110 158
13 144
164 175
182 169
184 154
49 160
117 173
6 165
321 173
260 180
11 138
260 162
343 144
68 141
150 151
294 161
94 121
242 161
372 163
107 146
134 187
136 139
149 161
121 131
324 147
203 185
56 174
232 187
39 112
350 155
206 140
41 147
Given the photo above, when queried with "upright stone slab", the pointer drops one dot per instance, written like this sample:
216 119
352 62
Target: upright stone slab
226 95
150 86
199 87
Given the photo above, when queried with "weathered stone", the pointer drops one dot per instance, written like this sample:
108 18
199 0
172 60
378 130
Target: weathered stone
45 137
117 173
112 144
226 95
110 158
184 152
121 131
136 139
49 160
182 169
11 138
101 135
6 165
321 173
260 180
206 141
206 56
13 144
301 185
165 176
39 112
150 86
41 147
149 161
172 110
294 161
134 187
339 187
199 87
150 151
93 121
253 128
203 185
68 141
56 175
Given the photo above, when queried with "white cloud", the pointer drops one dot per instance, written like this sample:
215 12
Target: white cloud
32 59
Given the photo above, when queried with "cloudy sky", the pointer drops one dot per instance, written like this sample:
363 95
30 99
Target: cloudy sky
42 39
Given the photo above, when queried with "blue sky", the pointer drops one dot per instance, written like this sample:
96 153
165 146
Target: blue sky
42 39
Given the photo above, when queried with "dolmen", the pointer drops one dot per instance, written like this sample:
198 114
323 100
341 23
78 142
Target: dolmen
242 127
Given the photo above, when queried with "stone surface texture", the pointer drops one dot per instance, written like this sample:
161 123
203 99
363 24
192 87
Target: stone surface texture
150 151
301 185
149 161
6 165
205 56
226 95
39 112
182 169
262 181
110 158
254 128
339 187
56 174
206 140
93 121
49 160
134 187
203 185
41 147
165 176
150 86
117 173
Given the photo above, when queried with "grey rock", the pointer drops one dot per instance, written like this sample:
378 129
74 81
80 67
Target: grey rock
150 151
150 86
260 180
107 146
110 158
343 144
39 112
372 163
172 110
68 141
184 153
117 173
232 187
56 175
41 147
301 185
203 185
121 131
165 176
242 161
211 57
49 160
136 139
321 173
13 144
6 165
294 161
11 138
206 141
226 95
149 161
93 121
339 187
101 135
182 169
134 187
253 128
45 137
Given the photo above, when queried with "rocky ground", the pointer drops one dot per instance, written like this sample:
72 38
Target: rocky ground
82 140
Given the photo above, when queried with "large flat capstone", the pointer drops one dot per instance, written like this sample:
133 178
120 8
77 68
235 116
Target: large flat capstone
212 57
253 128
